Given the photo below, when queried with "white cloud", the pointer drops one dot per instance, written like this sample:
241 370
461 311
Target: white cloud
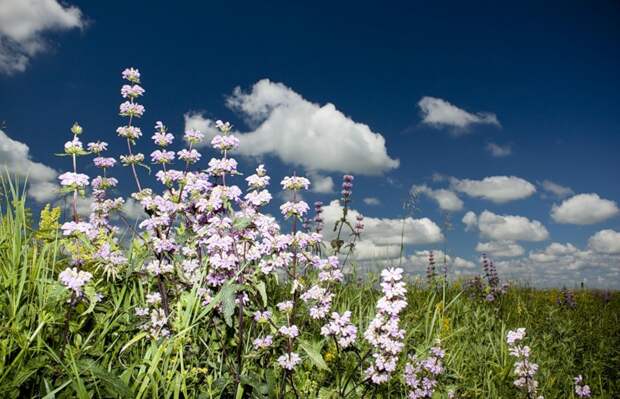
470 220
500 249
556 189
15 156
321 184
23 24
584 209
382 236
372 201
499 151
509 227
133 209
318 137
196 120
446 199
605 241
498 189
438 113
419 260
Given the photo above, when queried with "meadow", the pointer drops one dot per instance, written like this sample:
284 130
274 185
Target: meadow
208 297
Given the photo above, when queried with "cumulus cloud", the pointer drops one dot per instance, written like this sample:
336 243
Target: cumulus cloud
15 156
318 137
470 220
509 227
498 189
440 113
499 151
446 199
382 237
556 189
23 25
500 249
584 209
563 265
605 241
373 201
321 184
419 260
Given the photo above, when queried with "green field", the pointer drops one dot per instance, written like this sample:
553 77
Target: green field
48 349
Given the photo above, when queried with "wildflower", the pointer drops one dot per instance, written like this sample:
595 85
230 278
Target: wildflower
74 146
132 75
285 306
104 163
153 298
383 332
98 147
162 157
129 132
225 143
262 343
129 91
341 328
288 361
524 369
73 180
289 331
132 159
298 208
193 136
131 109
295 183
581 389
262 317
162 139
189 156
75 279
421 374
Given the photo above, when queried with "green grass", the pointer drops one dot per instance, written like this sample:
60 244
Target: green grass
108 356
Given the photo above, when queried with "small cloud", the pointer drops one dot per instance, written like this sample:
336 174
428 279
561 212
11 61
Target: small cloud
373 201
498 189
440 113
605 241
584 209
446 199
510 228
501 249
556 189
499 151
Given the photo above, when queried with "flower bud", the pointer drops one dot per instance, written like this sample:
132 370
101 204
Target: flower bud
76 129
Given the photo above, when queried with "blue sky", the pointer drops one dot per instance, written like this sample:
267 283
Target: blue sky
486 102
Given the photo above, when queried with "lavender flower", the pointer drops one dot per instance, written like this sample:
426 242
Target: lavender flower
524 369
73 180
581 389
75 279
383 332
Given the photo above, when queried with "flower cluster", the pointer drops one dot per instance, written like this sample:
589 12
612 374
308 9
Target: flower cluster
341 329
421 374
581 389
524 369
75 279
384 332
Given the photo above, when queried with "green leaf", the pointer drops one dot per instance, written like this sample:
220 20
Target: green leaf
228 302
313 350
241 223
262 289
